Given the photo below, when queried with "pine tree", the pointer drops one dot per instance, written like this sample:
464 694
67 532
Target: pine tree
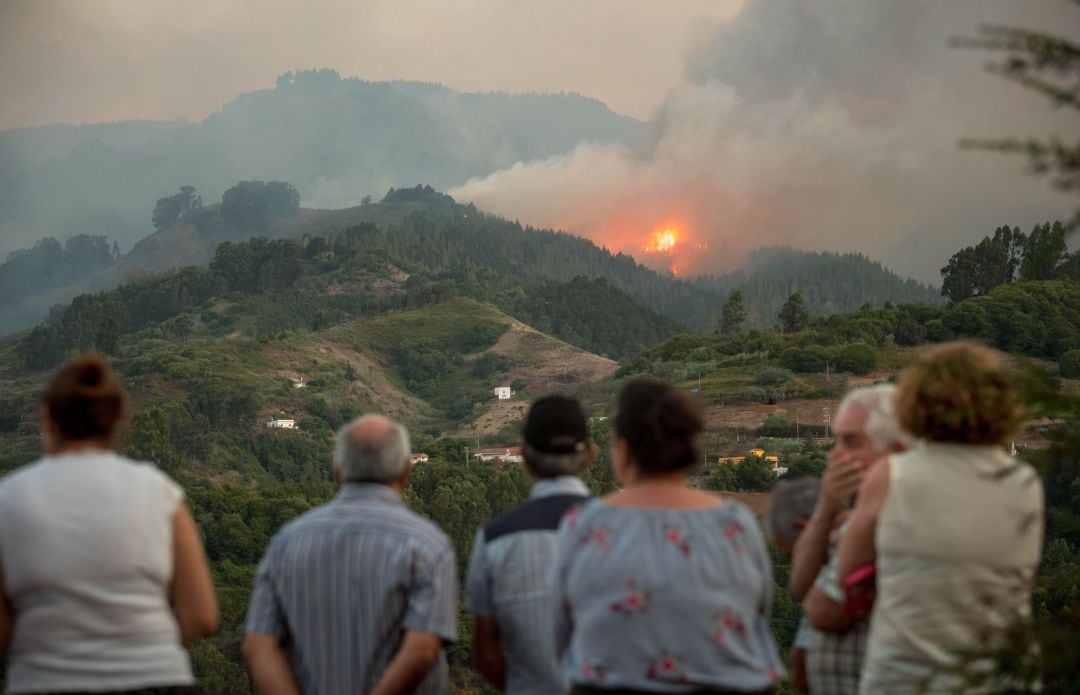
793 317
733 315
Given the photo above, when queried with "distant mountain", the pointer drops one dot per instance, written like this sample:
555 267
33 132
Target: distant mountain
516 267
829 283
335 139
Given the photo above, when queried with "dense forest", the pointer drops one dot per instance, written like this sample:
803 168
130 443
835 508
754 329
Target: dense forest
430 233
48 264
405 320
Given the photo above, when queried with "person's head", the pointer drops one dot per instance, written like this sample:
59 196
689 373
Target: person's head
790 507
372 449
866 427
961 393
656 429
83 404
556 438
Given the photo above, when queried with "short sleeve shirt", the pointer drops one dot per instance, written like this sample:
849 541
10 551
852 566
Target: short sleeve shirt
340 585
87 545
834 660
509 579
665 600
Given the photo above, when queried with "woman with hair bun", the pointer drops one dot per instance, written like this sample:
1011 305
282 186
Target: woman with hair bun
660 587
955 528
103 579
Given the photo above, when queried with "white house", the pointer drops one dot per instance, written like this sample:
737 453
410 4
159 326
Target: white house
508 454
503 393
298 382
282 424
418 458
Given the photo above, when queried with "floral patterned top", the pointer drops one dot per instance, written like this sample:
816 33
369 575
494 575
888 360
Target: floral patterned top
666 600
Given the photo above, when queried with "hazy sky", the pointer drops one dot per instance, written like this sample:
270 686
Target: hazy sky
823 124
101 60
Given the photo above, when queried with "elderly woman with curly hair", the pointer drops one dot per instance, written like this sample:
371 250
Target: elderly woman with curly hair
955 528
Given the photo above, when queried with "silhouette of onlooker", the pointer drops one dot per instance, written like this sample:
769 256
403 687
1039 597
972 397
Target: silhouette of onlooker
508 587
359 595
660 587
93 549
790 507
866 430
954 525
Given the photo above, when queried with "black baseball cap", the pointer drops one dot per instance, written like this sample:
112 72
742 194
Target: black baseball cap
556 425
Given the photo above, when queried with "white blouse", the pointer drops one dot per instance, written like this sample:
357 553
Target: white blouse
87 548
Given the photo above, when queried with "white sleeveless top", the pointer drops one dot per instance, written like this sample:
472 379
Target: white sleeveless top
958 543
87 549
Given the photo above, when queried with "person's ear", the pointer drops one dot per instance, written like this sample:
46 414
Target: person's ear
403 481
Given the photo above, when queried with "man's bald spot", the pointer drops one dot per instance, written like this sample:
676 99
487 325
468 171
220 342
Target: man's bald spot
372 448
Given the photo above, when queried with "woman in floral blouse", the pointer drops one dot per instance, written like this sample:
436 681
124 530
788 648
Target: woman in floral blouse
661 587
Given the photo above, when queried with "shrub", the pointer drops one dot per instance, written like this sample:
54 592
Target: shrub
813 358
856 358
773 376
1070 364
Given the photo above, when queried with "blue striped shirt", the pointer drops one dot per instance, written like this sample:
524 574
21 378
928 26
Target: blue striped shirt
509 579
340 585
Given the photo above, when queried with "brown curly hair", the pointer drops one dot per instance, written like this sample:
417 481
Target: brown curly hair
85 400
959 392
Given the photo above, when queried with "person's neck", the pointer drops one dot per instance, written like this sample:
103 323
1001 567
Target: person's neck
656 481
82 446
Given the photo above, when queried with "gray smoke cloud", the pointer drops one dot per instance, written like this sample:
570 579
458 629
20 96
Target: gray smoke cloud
824 125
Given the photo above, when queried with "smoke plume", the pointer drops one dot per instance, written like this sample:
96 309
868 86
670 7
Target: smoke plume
825 125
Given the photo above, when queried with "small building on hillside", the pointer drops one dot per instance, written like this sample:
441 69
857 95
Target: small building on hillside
503 393
298 382
774 465
773 462
282 424
500 454
418 458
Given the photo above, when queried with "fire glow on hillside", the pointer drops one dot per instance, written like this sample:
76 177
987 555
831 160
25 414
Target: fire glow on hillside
673 241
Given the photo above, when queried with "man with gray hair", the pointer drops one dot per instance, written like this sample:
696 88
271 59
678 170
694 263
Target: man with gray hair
791 505
508 589
866 431
358 595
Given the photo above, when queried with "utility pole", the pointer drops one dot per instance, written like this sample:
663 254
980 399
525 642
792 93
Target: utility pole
466 451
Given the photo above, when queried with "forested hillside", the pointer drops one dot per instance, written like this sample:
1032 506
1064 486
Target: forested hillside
431 234
828 282
415 320
49 264
335 139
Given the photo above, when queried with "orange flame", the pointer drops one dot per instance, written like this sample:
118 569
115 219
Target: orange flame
663 241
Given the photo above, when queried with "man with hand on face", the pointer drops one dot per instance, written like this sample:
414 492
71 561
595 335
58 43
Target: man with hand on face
866 430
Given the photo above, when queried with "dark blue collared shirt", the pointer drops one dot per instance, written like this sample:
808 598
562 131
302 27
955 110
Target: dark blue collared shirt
509 579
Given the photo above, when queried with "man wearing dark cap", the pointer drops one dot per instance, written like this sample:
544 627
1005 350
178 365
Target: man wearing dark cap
508 588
